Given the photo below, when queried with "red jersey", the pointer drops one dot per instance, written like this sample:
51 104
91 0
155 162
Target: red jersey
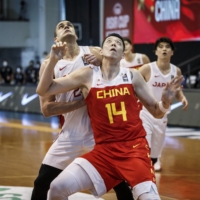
112 107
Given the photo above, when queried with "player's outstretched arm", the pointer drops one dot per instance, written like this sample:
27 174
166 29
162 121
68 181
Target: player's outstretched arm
48 105
157 109
48 86
180 96
51 108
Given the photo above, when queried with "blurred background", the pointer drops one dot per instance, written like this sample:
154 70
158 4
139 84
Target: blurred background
27 33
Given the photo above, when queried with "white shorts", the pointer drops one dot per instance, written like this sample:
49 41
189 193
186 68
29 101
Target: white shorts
155 129
63 152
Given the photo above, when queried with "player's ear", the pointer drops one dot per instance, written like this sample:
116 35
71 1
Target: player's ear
101 52
123 55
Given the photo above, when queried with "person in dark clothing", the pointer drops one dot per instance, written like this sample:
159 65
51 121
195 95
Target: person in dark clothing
19 76
31 73
6 72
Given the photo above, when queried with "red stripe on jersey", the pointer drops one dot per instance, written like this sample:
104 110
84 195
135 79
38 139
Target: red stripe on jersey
62 120
136 67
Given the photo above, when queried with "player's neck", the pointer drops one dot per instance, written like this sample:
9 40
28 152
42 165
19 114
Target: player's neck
129 57
72 51
163 65
110 69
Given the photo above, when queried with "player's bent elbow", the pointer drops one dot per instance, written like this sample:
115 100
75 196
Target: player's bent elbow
40 92
45 110
45 113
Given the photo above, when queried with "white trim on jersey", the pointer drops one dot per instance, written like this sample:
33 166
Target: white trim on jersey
124 77
137 61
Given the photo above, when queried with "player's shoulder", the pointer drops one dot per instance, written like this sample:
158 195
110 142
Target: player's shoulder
145 67
145 70
145 59
94 47
179 72
86 69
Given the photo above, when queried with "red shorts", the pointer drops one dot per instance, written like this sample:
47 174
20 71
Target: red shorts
120 161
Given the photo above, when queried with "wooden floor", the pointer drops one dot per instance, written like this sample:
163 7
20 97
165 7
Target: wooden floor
22 149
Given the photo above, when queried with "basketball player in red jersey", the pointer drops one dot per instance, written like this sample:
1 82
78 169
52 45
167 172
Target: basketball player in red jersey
132 60
157 74
76 136
121 151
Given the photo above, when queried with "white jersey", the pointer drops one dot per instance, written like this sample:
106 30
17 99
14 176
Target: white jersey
77 123
135 63
158 80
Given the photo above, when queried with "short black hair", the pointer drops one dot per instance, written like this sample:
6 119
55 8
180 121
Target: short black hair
128 40
164 39
115 35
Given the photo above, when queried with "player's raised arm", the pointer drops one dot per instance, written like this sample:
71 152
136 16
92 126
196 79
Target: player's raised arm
157 109
49 86
180 96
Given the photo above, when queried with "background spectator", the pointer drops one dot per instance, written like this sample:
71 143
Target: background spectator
6 72
31 73
19 76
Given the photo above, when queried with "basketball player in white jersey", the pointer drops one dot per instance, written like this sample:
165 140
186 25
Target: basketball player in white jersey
157 74
76 135
132 60
121 151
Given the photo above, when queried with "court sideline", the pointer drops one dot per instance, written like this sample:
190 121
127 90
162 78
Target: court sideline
25 139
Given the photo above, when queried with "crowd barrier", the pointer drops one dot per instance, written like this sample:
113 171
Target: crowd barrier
24 99
19 98
189 118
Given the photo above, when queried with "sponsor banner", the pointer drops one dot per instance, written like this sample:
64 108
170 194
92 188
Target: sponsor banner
177 19
24 193
118 17
189 118
19 98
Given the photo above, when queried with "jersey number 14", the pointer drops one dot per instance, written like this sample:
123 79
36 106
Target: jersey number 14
111 109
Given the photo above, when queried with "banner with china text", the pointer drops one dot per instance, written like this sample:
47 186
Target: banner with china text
177 19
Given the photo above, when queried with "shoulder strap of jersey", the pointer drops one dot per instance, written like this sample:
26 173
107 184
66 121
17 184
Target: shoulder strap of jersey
174 69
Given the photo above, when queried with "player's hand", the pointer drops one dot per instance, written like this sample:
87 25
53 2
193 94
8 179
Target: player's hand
92 59
185 103
171 89
58 50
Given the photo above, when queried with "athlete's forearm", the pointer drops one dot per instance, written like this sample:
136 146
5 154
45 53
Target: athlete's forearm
46 78
180 96
58 108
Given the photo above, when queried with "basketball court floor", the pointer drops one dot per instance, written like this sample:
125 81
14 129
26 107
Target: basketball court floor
25 139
